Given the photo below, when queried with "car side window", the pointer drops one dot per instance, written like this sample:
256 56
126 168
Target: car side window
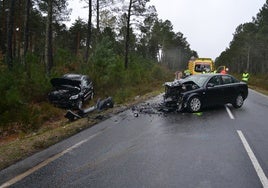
215 80
227 79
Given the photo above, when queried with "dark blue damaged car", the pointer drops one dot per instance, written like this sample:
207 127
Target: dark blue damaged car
71 91
203 90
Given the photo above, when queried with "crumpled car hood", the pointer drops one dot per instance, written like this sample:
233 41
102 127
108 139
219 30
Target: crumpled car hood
175 89
64 88
63 93
56 82
180 82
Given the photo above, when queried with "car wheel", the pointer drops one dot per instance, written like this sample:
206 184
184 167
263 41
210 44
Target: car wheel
239 101
194 104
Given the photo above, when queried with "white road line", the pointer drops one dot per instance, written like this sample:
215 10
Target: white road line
254 160
44 163
229 112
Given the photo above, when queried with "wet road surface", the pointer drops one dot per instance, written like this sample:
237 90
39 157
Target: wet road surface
143 147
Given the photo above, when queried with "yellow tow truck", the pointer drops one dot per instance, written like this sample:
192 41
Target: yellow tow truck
200 65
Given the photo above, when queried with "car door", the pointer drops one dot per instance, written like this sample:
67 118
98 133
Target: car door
229 88
214 92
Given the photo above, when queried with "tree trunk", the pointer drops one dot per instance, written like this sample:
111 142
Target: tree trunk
77 43
127 35
88 30
26 36
10 23
48 45
18 31
98 17
3 28
14 39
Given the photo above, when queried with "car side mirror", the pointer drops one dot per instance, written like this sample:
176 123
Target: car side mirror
210 85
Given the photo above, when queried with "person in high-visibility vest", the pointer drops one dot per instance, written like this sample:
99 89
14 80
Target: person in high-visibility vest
245 76
186 72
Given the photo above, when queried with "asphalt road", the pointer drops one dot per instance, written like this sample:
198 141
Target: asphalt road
220 147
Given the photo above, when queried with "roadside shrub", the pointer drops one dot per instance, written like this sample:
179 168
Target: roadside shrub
37 114
160 73
19 88
63 57
260 81
10 85
122 95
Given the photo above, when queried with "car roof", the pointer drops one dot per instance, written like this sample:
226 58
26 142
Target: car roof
211 74
203 75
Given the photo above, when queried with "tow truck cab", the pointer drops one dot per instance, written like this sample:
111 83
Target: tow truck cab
199 65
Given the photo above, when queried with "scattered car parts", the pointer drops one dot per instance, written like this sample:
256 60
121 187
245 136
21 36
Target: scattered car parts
101 105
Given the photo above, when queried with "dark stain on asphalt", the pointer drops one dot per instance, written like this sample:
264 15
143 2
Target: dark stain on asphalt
151 108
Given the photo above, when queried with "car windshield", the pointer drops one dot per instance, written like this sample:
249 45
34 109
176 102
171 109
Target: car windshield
68 87
199 79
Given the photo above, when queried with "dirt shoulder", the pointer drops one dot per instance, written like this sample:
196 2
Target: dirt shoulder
17 147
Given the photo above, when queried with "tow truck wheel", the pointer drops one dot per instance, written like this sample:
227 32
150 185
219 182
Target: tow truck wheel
194 104
238 101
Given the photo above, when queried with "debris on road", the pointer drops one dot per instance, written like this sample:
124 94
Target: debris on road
151 108
101 105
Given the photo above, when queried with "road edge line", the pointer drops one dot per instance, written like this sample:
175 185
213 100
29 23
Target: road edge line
254 160
44 163
229 112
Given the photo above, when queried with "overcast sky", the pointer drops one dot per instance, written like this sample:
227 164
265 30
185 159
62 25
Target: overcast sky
208 25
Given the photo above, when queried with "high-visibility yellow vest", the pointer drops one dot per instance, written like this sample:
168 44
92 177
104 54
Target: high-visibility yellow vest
245 77
187 72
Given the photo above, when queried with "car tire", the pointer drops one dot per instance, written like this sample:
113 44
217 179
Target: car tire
239 101
194 104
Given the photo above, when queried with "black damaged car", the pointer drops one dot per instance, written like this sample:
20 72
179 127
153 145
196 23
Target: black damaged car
198 91
71 91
